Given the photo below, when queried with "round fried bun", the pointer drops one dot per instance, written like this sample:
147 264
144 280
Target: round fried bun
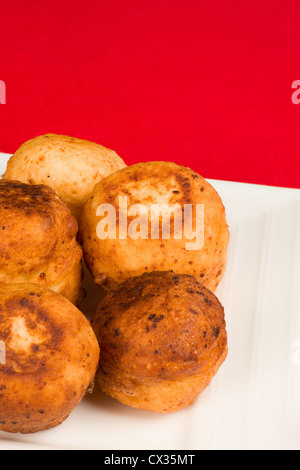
38 239
49 356
137 238
162 337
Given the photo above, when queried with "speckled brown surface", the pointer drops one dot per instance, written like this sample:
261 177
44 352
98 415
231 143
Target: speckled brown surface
71 166
38 239
112 261
51 356
162 337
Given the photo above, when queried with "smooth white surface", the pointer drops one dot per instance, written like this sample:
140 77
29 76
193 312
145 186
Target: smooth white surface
254 401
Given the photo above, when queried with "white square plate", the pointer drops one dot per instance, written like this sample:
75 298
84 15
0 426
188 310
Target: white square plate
254 400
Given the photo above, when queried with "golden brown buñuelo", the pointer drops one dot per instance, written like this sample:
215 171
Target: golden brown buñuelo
69 165
51 356
162 337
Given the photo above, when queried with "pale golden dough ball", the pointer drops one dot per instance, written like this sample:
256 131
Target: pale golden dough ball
162 337
69 165
38 242
112 260
49 358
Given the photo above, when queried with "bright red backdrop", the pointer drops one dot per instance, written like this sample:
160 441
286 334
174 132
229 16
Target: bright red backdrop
204 83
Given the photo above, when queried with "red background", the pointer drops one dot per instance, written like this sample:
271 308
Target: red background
204 83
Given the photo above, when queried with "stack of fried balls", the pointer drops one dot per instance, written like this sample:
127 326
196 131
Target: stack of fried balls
157 336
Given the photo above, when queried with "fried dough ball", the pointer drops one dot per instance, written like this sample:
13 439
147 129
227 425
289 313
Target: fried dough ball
38 239
162 338
51 356
112 260
69 165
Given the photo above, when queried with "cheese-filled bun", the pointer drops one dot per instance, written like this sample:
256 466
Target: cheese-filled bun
38 239
162 337
71 166
49 356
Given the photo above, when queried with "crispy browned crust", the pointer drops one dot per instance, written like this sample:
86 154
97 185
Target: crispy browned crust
51 358
71 166
113 261
162 337
38 239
